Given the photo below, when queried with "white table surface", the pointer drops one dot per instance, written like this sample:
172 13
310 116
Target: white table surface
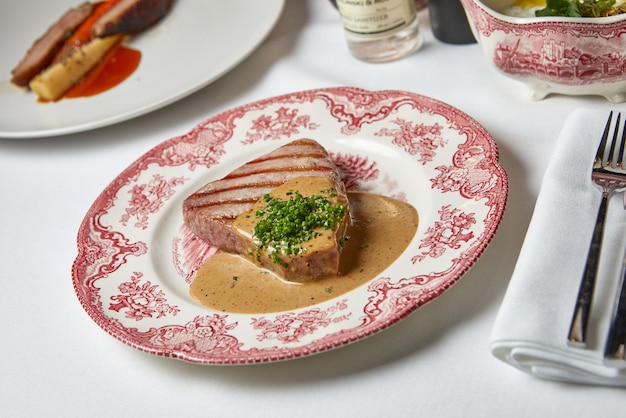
54 361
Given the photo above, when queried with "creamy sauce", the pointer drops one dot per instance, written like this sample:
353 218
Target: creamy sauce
382 229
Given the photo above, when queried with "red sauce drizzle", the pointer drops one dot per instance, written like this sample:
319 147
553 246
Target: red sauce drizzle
114 68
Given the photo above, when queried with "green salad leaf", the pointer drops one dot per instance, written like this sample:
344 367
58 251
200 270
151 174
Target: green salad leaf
576 8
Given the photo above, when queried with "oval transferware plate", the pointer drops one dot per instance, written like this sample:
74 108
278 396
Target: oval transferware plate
136 258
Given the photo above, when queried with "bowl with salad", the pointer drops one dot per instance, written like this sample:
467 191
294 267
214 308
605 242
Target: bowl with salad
572 47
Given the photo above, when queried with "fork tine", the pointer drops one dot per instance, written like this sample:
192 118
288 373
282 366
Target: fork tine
620 157
605 136
611 156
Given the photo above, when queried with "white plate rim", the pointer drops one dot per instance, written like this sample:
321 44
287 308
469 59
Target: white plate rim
251 24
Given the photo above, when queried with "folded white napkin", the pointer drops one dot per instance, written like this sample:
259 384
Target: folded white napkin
531 327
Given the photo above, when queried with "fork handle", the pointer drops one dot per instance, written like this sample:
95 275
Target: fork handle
614 350
578 329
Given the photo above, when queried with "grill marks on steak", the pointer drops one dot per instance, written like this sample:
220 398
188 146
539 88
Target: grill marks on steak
210 211
45 48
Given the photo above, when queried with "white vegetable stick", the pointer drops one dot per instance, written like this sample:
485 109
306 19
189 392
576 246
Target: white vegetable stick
54 81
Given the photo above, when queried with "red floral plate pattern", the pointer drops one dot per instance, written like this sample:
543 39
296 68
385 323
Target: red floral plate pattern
136 258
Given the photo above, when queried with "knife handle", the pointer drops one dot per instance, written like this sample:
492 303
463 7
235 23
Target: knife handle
614 350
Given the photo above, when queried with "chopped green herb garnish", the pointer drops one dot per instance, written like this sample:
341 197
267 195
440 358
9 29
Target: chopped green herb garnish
235 279
329 290
283 225
578 8
363 246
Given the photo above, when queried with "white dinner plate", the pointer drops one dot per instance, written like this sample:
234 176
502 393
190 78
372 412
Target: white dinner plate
196 43
136 258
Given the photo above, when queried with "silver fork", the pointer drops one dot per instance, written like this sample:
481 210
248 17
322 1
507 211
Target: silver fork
609 173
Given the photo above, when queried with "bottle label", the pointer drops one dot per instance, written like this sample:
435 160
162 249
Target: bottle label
373 19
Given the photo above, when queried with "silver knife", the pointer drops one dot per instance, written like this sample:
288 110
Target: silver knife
614 350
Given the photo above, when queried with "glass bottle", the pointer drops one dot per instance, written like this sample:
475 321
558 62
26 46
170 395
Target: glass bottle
449 22
380 30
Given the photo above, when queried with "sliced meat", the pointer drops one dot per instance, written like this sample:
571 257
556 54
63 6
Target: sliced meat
130 16
82 34
44 49
210 211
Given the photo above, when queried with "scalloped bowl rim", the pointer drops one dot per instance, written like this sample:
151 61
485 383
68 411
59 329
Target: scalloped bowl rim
520 20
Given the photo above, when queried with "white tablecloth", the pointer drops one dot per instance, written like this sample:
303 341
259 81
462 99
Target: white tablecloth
530 331
54 361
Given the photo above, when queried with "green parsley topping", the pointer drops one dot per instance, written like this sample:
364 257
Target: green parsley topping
235 279
283 225
580 8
